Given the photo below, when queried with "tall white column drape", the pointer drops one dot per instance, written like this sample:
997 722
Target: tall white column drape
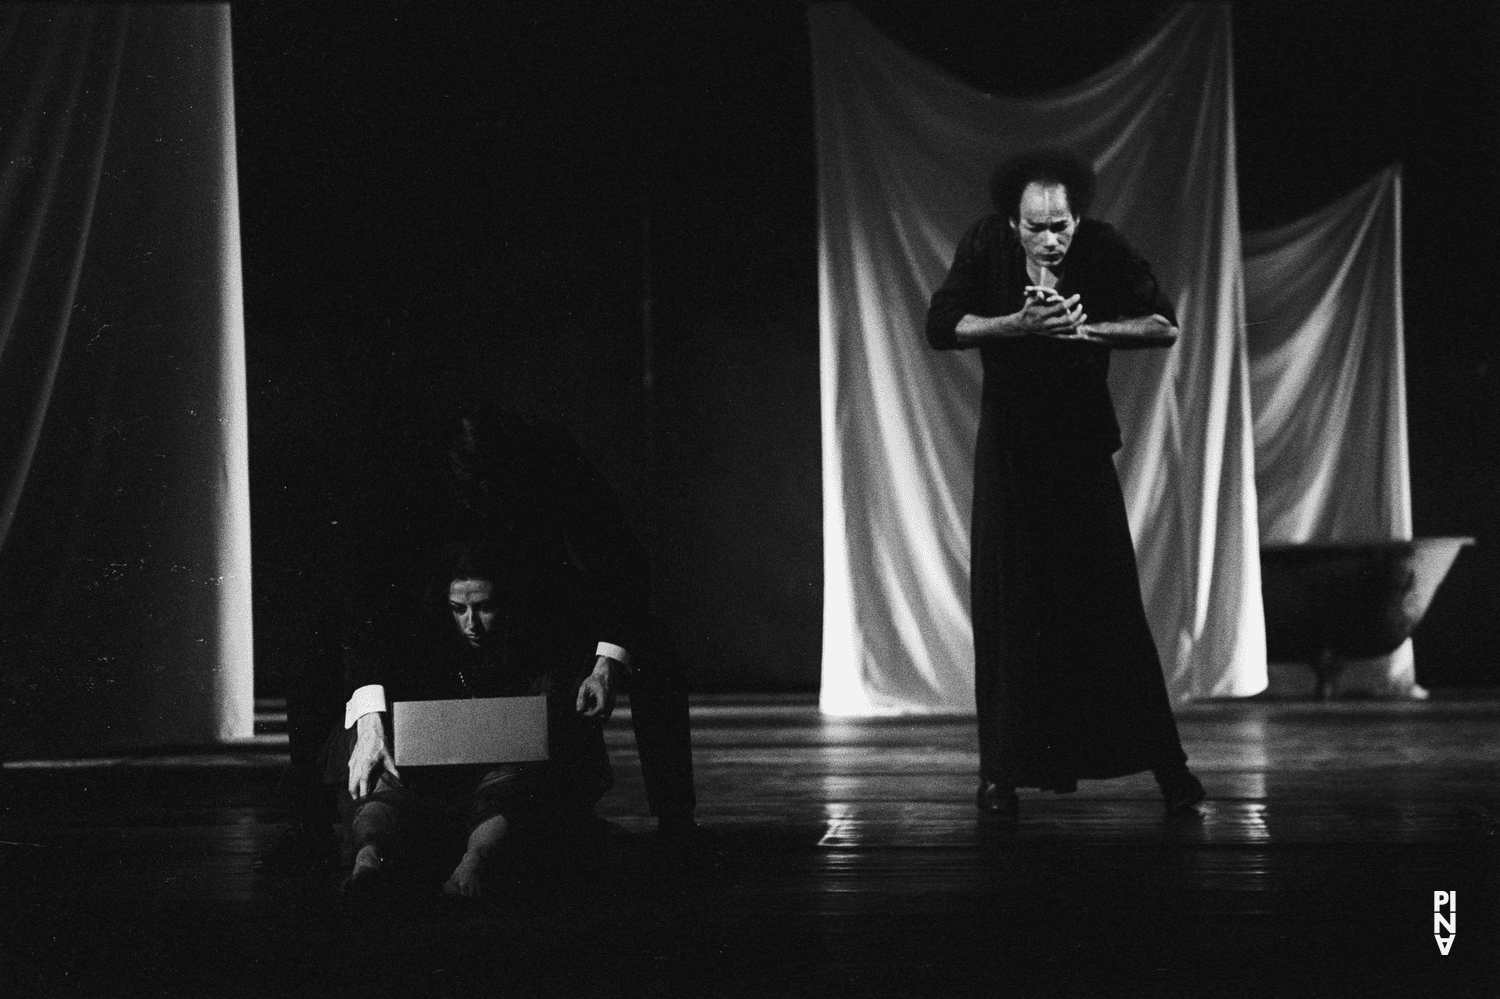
1328 386
904 154
124 482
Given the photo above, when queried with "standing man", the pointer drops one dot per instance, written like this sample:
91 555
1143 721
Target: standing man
1067 679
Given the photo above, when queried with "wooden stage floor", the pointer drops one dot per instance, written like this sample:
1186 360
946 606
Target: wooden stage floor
843 859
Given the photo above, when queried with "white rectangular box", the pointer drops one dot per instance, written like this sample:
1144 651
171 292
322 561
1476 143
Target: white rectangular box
471 730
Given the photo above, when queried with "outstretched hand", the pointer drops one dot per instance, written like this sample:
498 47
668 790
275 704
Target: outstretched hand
596 695
1081 334
371 756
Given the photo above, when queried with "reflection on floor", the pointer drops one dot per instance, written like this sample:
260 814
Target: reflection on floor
843 859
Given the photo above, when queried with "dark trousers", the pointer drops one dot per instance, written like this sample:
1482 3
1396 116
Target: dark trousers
659 715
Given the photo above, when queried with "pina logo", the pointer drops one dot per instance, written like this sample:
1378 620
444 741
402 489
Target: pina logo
1444 919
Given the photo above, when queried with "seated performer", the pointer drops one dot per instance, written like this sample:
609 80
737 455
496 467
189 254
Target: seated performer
512 473
495 623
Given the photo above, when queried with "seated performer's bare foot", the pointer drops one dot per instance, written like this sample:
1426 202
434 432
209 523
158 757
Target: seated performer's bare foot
484 842
367 866
465 880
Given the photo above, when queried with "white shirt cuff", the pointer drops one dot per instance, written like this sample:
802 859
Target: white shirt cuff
370 697
615 652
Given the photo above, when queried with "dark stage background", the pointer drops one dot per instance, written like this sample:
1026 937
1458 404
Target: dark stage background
440 202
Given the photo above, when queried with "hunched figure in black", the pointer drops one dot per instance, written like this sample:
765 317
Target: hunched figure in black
1067 679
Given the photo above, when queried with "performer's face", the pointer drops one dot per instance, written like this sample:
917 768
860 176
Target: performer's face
474 608
1046 224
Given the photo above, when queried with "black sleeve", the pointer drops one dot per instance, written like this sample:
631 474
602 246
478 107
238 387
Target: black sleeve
599 540
380 632
1136 290
962 293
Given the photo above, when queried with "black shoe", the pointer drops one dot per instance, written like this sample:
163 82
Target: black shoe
680 840
998 803
1181 792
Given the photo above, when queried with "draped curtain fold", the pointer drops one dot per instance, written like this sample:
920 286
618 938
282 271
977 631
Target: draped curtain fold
124 490
904 154
1328 385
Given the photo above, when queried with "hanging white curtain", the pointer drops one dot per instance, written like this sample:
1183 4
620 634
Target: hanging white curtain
1328 386
904 154
124 486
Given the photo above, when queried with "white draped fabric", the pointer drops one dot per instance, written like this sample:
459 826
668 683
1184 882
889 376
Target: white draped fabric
1328 385
904 154
124 480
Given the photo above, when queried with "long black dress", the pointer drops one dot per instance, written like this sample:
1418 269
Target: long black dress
1067 679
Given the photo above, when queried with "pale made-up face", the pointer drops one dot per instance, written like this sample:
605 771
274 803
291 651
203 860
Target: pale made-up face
1046 224
475 609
